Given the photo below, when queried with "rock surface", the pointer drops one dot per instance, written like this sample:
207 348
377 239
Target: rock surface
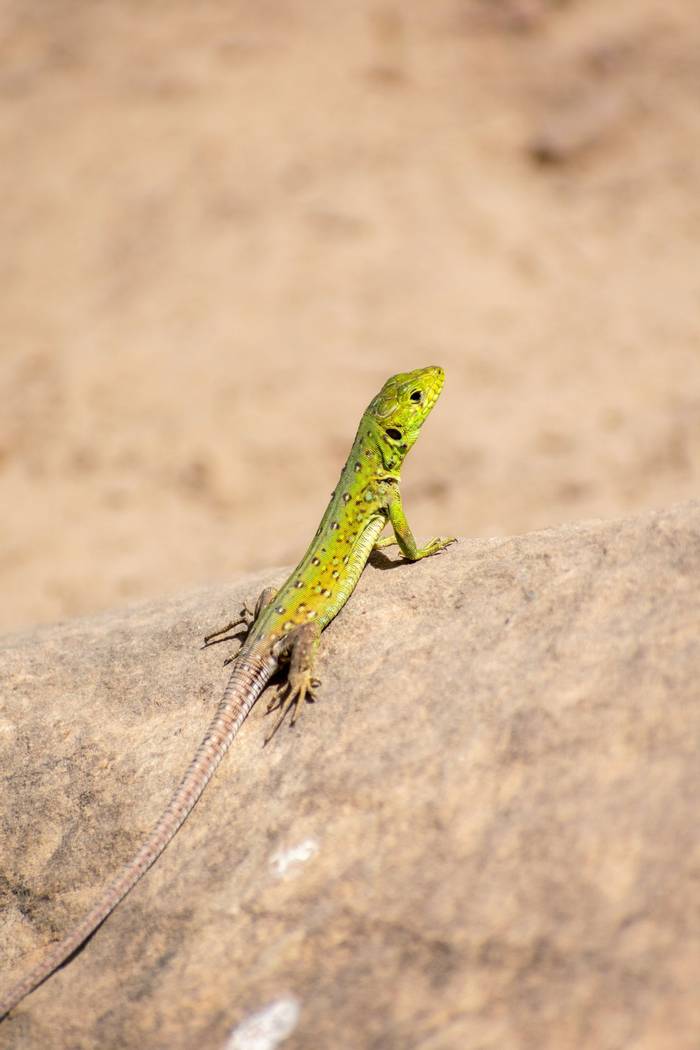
484 835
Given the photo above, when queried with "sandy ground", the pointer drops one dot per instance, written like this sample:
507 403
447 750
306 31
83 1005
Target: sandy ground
223 225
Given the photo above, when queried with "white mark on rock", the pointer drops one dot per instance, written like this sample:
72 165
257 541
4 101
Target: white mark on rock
266 1029
285 859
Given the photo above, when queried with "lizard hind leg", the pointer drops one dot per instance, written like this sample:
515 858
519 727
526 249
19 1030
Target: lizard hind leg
300 647
245 618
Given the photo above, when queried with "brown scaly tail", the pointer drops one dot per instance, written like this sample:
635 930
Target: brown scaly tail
247 681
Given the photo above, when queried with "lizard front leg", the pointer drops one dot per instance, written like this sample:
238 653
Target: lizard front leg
404 537
299 646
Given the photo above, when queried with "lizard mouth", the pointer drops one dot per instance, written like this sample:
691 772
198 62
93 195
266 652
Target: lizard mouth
436 377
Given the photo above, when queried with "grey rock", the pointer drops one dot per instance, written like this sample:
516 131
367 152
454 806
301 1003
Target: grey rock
483 835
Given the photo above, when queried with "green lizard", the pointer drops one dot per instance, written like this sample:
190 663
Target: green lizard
286 625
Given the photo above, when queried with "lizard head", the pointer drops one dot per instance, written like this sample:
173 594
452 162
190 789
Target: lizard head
400 409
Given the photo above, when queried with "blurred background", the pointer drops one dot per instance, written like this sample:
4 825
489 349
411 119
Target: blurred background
223 225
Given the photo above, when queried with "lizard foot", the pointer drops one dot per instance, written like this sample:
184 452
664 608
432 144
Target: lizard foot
436 545
244 618
290 697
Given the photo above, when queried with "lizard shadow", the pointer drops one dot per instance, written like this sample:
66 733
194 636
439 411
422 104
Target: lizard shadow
382 561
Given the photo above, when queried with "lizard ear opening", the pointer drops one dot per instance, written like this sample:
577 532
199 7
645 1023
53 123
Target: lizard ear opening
393 433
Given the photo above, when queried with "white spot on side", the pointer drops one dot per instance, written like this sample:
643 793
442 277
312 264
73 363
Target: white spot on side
285 859
267 1028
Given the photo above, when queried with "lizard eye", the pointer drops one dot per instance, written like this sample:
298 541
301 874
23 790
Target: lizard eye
417 396
393 433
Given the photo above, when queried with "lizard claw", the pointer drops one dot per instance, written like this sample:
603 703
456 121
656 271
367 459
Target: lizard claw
290 696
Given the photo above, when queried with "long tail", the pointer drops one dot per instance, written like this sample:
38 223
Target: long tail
247 681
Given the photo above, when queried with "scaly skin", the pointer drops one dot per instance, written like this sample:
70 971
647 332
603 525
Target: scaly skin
286 626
